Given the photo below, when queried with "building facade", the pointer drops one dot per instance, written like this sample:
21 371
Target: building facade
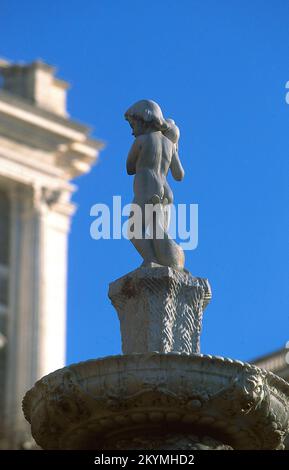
276 362
41 150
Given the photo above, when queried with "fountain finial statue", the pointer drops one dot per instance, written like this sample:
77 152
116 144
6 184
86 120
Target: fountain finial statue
153 153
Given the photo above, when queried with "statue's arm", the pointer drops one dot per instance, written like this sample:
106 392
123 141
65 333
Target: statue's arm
176 167
132 158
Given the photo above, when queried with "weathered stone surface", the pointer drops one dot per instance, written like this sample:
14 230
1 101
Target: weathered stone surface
160 309
179 401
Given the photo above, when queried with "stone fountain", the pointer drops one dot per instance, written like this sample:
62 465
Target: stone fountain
161 393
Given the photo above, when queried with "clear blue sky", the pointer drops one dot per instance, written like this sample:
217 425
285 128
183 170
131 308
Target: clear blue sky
219 68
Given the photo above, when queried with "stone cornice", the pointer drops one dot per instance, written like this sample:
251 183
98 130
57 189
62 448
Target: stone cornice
24 105
28 175
68 143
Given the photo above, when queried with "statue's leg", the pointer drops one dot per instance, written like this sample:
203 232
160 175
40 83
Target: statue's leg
145 249
144 245
167 251
167 201
167 216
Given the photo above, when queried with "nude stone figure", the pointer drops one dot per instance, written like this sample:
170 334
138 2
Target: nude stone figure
153 153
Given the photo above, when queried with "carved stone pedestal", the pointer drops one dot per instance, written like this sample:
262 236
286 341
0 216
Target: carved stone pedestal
159 401
160 309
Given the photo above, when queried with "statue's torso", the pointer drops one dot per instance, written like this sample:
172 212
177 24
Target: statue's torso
152 167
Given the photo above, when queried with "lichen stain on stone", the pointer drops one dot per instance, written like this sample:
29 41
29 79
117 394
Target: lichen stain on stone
129 289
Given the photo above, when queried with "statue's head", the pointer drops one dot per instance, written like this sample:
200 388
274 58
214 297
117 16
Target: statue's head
172 131
145 115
